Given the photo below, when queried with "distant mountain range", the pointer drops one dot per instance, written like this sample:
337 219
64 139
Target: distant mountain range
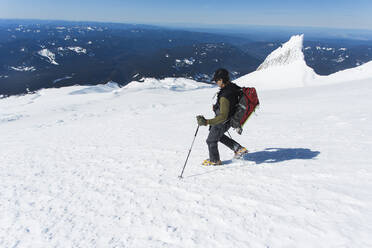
44 54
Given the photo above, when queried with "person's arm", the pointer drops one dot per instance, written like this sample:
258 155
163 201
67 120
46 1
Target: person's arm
224 112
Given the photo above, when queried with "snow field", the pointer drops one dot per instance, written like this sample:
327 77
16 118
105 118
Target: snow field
85 167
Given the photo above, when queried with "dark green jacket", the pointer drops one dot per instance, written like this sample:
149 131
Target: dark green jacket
226 101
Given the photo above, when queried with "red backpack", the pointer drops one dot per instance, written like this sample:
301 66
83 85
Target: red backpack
248 101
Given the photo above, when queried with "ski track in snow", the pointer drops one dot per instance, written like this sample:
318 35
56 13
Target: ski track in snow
99 169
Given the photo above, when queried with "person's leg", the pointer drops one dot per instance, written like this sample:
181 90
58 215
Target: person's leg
215 134
227 141
238 149
230 143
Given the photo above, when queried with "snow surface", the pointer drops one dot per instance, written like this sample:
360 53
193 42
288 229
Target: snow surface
296 74
176 84
362 72
61 79
49 55
77 49
98 166
23 68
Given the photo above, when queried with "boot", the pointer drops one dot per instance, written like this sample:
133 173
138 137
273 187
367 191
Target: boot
240 153
207 162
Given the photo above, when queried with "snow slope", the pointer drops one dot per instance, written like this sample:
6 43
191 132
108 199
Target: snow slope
363 72
98 166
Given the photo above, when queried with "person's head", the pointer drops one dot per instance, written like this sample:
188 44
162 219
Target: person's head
221 77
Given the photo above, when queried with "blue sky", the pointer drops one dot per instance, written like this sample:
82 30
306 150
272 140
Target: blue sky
354 14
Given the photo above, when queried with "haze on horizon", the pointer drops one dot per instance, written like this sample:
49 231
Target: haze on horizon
316 13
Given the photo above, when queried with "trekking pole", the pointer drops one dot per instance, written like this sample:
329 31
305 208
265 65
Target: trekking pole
180 176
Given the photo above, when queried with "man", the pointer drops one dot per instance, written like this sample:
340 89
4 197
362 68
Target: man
227 98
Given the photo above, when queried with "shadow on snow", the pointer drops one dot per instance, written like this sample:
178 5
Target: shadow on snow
270 155
276 155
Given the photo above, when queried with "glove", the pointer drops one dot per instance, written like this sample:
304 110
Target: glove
201 120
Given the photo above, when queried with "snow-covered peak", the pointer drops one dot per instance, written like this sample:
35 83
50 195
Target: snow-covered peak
285 67
49 55
289 52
